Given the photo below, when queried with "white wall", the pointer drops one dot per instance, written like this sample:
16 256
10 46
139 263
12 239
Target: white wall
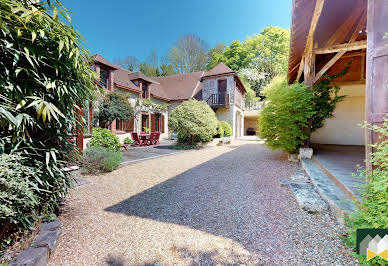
343 128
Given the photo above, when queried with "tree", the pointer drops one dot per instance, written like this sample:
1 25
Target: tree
218 49
194 121
114 106
148 70
45 77
166 70
189 54
130 63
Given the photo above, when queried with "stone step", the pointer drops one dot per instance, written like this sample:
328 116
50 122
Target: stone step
340 203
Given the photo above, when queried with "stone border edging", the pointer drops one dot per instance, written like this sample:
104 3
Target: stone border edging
39 252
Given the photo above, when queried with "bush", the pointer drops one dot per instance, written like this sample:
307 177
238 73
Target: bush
227 129
113 106
102 137
373 208
220 130
99 159
285 115
45 75
194 121
127 140
19 197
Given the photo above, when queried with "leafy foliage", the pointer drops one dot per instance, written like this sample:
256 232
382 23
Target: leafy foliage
19 197
373 208
194 121
258 59
99 159
220 130
127 140
114 106
325 98
287 111
103 137
227 129
44 78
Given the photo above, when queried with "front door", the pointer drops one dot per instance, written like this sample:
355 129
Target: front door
221 91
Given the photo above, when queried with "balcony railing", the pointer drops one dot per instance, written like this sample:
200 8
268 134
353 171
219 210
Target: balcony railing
218 100
254 105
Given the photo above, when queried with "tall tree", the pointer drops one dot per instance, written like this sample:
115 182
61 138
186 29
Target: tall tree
189 54
130 63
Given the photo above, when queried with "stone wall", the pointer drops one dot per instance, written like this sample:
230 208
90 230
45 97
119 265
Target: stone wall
209 87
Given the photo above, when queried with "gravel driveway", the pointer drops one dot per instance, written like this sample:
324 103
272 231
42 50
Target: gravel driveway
220 205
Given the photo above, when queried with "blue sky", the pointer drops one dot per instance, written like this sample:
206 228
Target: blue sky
118 28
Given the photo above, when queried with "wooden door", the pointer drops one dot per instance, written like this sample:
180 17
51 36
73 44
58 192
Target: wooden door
376 67
221 91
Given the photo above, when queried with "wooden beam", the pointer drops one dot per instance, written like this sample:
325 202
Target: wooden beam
310 37
328 65
342 47
301 66
345 27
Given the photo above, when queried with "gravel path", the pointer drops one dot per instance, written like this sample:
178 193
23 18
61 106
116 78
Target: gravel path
221 205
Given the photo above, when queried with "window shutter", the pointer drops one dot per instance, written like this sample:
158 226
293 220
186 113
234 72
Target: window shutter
153 128
130 125
162 124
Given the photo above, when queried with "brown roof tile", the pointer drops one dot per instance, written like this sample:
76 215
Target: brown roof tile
99 58
139 75
177 87
219 69
122 80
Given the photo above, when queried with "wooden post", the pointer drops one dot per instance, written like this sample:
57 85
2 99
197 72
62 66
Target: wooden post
80 132
376 69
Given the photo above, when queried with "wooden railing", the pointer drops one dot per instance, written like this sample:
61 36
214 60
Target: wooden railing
218 100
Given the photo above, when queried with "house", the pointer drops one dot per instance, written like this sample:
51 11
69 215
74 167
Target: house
221 88
325 36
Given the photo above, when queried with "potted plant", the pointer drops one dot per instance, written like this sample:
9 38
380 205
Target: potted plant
147 130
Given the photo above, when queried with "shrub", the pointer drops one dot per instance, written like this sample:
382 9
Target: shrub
100 159
227 129
220 130
194 121
45 76
19 197
102 137
127 140
285 115
113 106
372 209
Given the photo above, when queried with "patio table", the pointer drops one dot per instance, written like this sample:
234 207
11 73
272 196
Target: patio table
144 137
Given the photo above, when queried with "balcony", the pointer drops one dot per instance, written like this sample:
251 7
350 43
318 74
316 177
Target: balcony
218 100
254 105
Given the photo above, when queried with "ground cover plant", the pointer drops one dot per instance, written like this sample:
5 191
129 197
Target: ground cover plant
44 79
97 160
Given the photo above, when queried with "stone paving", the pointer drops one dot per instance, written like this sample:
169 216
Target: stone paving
220 205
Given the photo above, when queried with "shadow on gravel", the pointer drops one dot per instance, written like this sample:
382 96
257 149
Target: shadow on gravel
223 196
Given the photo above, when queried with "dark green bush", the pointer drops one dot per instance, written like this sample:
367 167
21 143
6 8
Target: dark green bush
194 121
103 137
227 129
220 130
99 159
113 106
19 197
372 210
285 115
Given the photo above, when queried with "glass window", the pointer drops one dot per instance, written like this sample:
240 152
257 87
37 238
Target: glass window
104 76
144 91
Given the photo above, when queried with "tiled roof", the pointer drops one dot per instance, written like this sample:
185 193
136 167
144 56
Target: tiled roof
121 80
179 86
99 58
139 75
219 69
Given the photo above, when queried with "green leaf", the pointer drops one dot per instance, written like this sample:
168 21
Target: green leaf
33 35
61 44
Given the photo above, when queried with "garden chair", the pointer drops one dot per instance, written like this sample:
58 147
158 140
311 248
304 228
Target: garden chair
156 138
136 139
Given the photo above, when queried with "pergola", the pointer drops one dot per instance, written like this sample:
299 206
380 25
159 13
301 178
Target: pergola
327 34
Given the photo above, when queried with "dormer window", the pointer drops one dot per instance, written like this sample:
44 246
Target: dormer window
136 82
104 76
144 94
